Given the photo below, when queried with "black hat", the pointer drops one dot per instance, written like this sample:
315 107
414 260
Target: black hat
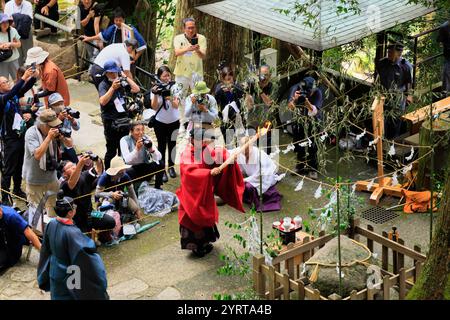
63 204
397 46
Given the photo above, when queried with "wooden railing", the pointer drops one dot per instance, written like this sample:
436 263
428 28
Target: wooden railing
283 279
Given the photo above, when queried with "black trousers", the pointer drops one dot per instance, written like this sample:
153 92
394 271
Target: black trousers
112 141
302 157
86 223
142 171
13 159
53 14
166 135
96 74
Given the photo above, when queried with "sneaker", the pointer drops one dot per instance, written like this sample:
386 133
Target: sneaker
313 175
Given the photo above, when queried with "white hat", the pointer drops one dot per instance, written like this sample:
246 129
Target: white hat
117 165
36 55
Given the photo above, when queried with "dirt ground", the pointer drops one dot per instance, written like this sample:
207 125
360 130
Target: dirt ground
152 266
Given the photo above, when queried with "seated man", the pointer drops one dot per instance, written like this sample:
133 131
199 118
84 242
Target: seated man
78 183
139 152
115 184
249 164
14 233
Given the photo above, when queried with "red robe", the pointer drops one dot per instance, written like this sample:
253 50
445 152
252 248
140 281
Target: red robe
198 208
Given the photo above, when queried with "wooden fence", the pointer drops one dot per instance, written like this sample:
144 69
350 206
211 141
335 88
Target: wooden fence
283 280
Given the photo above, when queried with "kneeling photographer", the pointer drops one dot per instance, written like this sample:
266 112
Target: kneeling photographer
167 119
139 152
113 108
115 186
79 183
307 100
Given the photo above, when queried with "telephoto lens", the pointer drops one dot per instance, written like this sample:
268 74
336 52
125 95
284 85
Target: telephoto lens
73 113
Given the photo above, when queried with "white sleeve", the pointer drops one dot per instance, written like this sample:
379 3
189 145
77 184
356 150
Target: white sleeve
28 9
9 8
128 157
125 60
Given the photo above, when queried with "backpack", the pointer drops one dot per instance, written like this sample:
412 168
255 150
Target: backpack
22 24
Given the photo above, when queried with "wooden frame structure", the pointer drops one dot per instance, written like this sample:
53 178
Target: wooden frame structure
384 184
283 280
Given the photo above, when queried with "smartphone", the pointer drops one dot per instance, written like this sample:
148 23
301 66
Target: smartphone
33 66
194 41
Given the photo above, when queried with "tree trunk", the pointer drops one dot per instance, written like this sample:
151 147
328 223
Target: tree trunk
433 282
225 41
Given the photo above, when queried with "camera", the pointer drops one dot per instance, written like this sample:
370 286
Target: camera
123 204
303 94
73 113
136 105
67 133
51 164
92 156
147 142
164 89
201 99
262 77
124 82
194 41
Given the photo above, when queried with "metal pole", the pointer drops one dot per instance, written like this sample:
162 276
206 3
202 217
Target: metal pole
52 23
431 167
260 197
415 63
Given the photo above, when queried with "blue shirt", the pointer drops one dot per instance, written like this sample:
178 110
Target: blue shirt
315 97
15 226
114 35
105 181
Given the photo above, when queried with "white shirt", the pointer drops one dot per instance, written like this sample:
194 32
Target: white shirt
134 157
169 115
4 38
25 8
116 52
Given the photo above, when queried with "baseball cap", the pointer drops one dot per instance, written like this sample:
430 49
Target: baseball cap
48 116
55 98
111 66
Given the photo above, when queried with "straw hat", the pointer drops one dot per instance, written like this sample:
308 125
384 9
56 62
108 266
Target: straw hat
36 55
117 165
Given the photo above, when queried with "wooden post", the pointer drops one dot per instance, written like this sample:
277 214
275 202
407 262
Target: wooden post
258 276
289 263
402 284
306 255
385 254
371 293
378 128
386 288
300 290
316 295
418 270
369 241
417 249
272 283
334 297
353 295
401 256
286 288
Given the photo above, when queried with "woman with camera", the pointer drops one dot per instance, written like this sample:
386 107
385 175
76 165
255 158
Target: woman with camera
167 119
228 95
139 152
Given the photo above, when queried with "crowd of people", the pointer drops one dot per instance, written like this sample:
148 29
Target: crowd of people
86 192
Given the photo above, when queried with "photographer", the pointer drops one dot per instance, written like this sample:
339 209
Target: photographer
201 107
228 94
258 99
139 152
307 100
115 185
65 245
119 53
67 115
113 108
13 128
52 77
41 159
87 14
113 34
167 120
78 183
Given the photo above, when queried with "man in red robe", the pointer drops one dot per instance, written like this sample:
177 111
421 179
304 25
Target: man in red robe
201 179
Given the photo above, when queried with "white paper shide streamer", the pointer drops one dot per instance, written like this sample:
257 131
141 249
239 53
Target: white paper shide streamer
290 148
370 185
323 137
407 169
392 151
395 179
299 185
360 136
275 152
411 156
318 192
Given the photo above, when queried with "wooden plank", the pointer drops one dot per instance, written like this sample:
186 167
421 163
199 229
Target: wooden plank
271 283
353 294
384 254
307 254
371 294
402 284
376 196
391 244
363 185
401 256
258 276
370 241
423 113
417 249
418 270
300 290
289 263
303 248
286 288
315 295
386 288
